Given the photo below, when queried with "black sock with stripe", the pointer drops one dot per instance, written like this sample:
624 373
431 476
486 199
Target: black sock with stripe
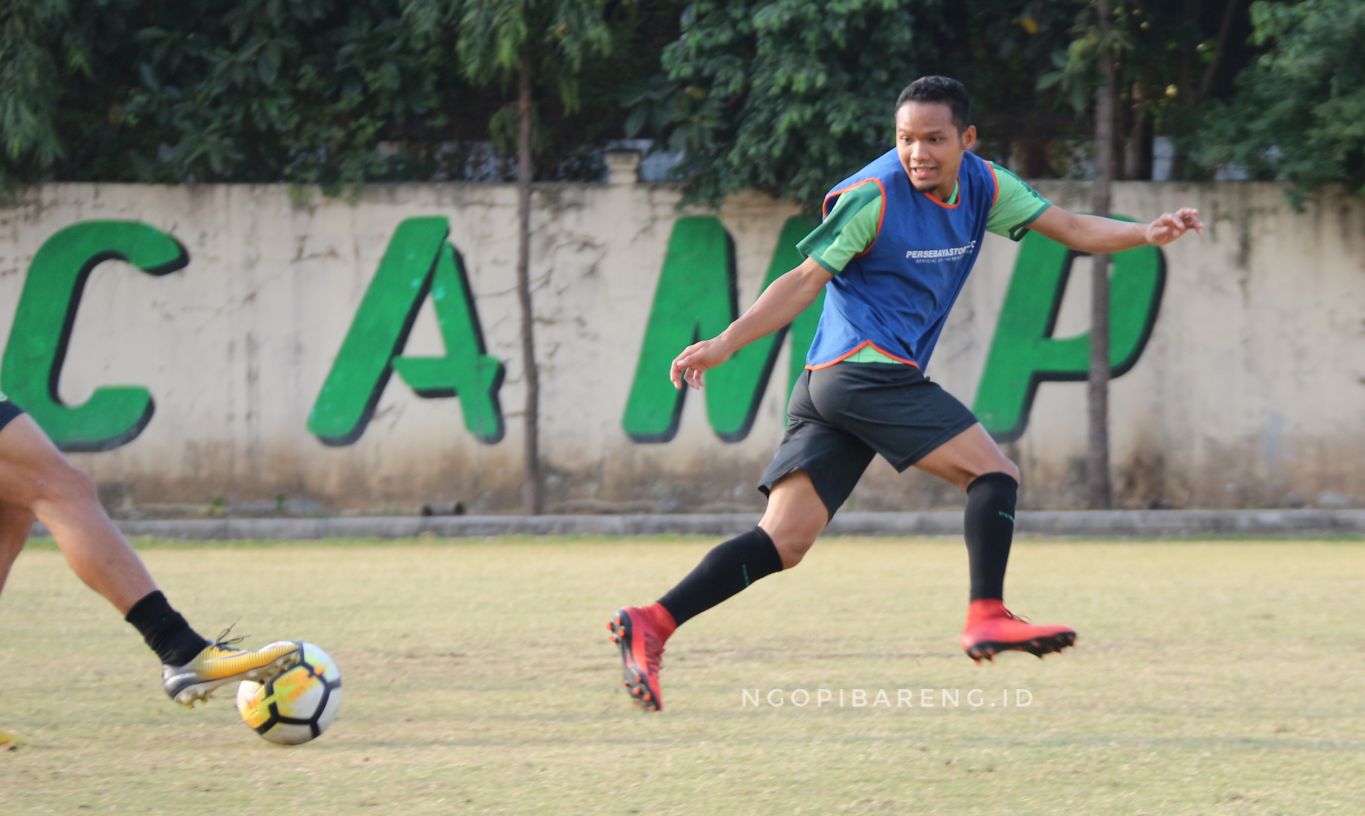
724 572
989 527
165 630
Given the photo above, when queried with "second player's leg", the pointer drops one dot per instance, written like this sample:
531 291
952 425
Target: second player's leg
36 476
37 481
15 523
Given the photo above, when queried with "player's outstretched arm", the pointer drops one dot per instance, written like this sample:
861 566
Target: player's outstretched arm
1093 233
779 305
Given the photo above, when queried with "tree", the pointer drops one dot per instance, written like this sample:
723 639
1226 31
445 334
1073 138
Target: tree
784 96
524 41
329 92
34 48
1298 114
1167 60
1100 490
1009 45
213 90
260 90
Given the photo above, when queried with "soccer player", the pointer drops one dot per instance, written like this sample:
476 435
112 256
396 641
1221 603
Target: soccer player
892 253
37 481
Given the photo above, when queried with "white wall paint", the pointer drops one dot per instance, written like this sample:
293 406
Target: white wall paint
1250 392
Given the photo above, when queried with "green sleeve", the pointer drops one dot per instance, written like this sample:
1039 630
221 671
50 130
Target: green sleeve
848 230
1016 205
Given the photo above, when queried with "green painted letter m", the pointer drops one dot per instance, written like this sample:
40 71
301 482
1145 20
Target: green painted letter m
697 299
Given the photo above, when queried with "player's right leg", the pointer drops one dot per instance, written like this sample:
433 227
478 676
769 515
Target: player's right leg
37 480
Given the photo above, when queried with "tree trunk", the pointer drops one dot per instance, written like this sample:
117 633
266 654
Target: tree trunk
1100 492
532 499
1137 146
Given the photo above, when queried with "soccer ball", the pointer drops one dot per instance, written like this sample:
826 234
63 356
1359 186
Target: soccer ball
296 706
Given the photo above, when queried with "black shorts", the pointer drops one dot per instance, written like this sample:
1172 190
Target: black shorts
841 416
8 411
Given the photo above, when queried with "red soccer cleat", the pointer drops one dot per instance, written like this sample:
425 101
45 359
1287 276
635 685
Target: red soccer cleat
640 631
991 629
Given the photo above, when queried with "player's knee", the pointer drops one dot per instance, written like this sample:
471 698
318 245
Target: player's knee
792 548
1000 465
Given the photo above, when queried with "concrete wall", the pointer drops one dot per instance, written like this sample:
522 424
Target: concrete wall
1249 391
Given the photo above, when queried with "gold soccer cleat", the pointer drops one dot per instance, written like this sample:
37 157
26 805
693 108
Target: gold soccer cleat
219 664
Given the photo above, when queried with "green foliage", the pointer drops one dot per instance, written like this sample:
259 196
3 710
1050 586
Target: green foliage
265 90
1299 111
1158 50
33 49
788 96
1008 45
784 96
556 38
329 92
215 90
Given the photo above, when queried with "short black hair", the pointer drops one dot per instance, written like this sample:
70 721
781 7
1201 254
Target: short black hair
940 89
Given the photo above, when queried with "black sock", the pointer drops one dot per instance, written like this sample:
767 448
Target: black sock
165 630
725 571
989 527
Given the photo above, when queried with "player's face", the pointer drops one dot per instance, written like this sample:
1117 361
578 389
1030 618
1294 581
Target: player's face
930 146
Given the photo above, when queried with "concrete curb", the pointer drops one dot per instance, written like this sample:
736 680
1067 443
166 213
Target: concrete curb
1098 523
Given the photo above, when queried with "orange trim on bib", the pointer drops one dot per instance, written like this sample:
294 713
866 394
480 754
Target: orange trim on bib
858 348
996 179
881 216
957 183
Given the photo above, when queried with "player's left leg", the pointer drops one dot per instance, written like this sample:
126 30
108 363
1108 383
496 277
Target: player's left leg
972 461
38 480
795 516
813 471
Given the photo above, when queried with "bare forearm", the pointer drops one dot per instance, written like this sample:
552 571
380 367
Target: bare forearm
776 307
779 305
1096 234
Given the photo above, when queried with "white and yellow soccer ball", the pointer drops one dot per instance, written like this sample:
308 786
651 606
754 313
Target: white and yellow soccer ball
298 705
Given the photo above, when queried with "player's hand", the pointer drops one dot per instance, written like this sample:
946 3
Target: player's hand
689 366
1170 226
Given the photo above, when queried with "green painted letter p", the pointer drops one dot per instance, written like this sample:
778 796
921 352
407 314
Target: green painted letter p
1024 353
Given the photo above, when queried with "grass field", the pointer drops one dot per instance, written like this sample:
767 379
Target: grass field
1210 677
